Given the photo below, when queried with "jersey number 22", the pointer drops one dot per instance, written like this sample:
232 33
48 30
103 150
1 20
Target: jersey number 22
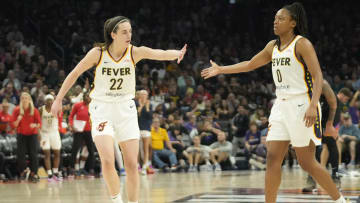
115 86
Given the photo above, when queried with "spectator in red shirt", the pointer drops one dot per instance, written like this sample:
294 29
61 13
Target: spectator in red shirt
26 120
201 93
82 132
5 118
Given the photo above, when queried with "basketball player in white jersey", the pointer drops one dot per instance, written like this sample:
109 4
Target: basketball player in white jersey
50 138
112 109
295 116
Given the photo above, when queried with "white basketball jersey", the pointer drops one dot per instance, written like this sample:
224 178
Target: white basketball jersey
290 75
49 123
114 80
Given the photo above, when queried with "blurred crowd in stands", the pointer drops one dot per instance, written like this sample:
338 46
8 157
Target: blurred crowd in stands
220 122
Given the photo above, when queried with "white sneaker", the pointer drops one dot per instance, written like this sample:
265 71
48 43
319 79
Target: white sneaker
218 167
192 169
143 171
342 166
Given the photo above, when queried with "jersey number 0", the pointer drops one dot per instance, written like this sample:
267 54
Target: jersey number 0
279 77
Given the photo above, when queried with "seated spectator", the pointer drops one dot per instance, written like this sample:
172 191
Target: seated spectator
252 139
208 108
158 137
348 136
5 118
210 117
10 93
222 111
258 156
51 73
208 133
179 131
264 123
191 126
12 79
37 89
232 103
202 93
179 142
255 117
354 108
166 123
187 100
197 154
221 151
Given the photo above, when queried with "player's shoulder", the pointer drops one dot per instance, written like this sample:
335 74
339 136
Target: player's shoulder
136 49
303 43
96 51
270 46
271 43
94 55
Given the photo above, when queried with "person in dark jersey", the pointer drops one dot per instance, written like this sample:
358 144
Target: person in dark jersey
328 150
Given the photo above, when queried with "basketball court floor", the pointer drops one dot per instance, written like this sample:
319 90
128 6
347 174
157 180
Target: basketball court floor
206 187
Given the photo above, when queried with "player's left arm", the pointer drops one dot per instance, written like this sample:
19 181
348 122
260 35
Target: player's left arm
143 52
307 52
331 100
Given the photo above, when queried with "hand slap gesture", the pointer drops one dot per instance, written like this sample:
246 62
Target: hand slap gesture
212 71
181 56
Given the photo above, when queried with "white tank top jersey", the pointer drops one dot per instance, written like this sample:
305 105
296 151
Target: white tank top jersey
290 75
49 123
114 81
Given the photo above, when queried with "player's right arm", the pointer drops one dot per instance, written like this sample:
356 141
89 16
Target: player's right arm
260 59
90 60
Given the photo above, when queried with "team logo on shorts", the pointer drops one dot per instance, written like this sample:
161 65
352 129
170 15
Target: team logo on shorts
101 126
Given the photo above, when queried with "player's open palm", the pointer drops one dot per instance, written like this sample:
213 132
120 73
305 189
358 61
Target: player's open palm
56 107
182 53
212 71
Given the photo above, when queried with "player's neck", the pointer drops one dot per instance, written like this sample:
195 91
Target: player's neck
116 51
48 108
286 38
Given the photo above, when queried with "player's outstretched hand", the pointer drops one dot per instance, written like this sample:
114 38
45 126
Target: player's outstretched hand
181 56
56 107
212 71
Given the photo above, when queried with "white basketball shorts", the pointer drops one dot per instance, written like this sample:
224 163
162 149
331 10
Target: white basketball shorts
119 119
50 140
286 122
